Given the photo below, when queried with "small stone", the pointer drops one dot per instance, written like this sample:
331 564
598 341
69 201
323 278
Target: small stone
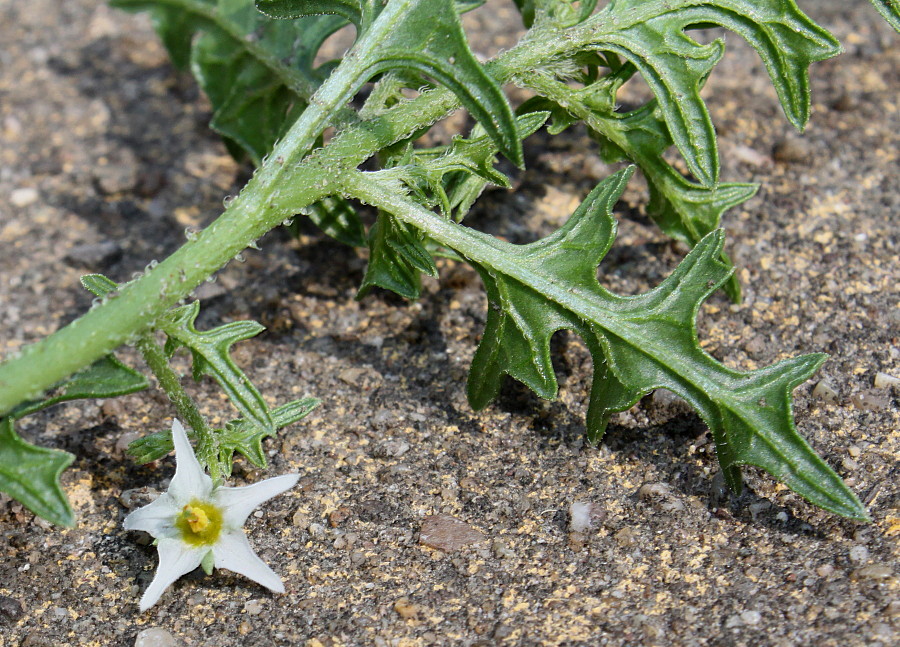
405 609
339 516
118 177
844 103
155 637
244 628
391 448
300 519
869 401
824 570
23 197
10 609
447 533
791 150
883 380
626 537
825 391
854 451
94 256
583 515
317 531
253 607
849 464
357 558
873 572
733 622
751 617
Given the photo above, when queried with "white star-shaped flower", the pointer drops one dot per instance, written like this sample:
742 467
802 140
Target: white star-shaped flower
197 523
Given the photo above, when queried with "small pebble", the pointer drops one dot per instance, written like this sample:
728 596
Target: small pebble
10 609
854 451
859 554
849 464
583 515
317 531
405 609
357 558
253 607
23 197
873 572
751 617
155 637
244 628
869 401
791 149
824 570
94 256
883 380
825 391
300 519
447 533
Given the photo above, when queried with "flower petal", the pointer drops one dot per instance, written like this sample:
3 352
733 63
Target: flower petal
190 481
234 553
238 502
156 517
175 559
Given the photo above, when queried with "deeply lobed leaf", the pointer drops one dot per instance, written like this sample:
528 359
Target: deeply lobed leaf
30 474
640 344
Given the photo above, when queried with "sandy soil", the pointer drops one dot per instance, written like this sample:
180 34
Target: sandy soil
106 158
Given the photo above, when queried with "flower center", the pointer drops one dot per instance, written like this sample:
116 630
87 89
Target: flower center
199 522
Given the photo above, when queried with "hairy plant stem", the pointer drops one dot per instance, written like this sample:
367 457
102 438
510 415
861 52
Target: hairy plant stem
283 185
185 408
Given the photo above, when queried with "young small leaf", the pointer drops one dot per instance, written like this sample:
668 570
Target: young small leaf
238 436
396 259
30 475
211 356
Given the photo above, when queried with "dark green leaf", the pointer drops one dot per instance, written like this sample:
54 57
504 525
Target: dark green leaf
396 259
685 210
638 343
105 378
337 218
424 36
650 34
257 72
30 475
211 356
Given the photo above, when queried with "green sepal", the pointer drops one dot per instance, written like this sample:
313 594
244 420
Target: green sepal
208 562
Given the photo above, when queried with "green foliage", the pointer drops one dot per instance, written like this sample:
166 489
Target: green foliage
424 37
640 344
30 474
238 436
890 10
270 101
211 352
